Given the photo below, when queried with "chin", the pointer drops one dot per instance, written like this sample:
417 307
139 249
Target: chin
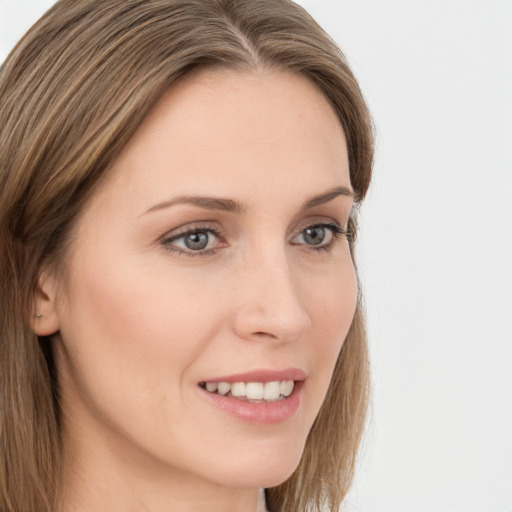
263 466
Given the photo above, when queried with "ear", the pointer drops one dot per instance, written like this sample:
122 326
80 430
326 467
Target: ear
45 320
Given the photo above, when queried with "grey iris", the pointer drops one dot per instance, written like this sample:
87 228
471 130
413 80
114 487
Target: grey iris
314 235
196 241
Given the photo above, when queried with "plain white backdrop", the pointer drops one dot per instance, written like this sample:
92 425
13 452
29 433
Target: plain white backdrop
435 252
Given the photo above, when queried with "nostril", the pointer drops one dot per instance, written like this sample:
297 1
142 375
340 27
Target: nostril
262 334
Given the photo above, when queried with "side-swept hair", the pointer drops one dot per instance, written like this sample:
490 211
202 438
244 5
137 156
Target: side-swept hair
72 93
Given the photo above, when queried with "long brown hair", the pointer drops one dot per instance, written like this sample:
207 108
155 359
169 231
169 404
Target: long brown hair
72 93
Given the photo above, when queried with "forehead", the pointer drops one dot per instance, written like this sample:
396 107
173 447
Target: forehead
231 133
224 98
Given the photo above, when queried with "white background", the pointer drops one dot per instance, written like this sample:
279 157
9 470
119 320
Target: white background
435 251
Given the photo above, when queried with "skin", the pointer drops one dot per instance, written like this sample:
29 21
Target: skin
141 320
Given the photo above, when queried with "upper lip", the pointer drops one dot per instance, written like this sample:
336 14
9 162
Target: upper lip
262 375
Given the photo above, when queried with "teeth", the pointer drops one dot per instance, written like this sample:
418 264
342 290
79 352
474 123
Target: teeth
223 388
271 391
211 386
238 389
287 387
254 390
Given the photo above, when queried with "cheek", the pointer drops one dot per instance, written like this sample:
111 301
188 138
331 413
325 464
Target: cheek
334 301
124 335
136 324
332 312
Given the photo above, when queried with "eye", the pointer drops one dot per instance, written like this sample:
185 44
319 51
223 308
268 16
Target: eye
319 236
316 235
197 241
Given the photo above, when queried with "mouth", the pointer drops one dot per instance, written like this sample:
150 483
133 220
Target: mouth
254 392
259 397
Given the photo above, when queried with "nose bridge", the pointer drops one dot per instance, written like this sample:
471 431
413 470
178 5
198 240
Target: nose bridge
270 302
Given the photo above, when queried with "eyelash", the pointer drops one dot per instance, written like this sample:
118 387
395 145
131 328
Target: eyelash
167 241
338 232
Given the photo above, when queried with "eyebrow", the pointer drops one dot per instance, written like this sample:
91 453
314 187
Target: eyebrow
207 203
232 206
327 196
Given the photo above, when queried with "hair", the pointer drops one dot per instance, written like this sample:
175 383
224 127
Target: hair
72 93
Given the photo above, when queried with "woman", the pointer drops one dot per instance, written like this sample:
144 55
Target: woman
181 324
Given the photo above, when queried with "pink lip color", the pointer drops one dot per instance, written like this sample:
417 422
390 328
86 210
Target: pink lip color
265 413
262 376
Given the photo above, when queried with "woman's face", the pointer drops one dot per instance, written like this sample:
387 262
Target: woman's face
214 252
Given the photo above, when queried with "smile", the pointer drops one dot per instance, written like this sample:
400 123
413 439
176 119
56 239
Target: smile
262 396
252 391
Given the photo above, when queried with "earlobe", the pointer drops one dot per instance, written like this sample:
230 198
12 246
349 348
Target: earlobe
45 321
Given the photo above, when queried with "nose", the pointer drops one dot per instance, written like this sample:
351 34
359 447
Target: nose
270 304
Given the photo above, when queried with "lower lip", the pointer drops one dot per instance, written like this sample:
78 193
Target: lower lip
265 413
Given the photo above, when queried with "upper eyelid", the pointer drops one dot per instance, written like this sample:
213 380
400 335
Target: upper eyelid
335 227
319 221
174 236
214 227
192 227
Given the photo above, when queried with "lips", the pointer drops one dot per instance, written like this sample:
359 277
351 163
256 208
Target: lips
261 396
262 375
